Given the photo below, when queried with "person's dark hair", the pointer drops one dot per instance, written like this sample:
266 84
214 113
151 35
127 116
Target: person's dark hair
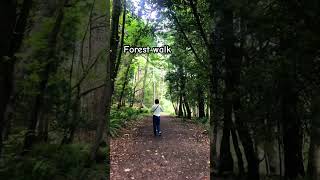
156 101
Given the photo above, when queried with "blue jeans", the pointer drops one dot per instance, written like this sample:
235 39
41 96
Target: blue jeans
156 125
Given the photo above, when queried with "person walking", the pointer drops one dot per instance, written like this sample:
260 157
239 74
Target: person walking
156 109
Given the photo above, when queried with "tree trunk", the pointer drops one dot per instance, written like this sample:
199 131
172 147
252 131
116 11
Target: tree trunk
43 127
125 82
226 161
12 33
188 111
8 119
103 117
314 150
49 69
76 105
184 109
118 62
154 85
180 111
201 103
215 52
144 81
291 123
114 41
237 150
248 146
292 137
214 159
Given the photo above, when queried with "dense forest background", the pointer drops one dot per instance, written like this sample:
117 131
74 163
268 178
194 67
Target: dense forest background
249 69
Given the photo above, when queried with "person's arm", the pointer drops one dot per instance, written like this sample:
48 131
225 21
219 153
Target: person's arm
152 108
161 109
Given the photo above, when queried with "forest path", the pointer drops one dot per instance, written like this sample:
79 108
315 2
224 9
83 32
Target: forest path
182 152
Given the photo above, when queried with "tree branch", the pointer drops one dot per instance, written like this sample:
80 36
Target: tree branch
197 18
186 39
86 72
92 89
85 35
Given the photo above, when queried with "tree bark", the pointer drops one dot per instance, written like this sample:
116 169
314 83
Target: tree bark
118 62
314 150
43 127
237 150
116 11
103 116
12 33
8 18
292 136
144 81
188 110
180 110
125 82
49 69
185 99
291 123
226 161
201 102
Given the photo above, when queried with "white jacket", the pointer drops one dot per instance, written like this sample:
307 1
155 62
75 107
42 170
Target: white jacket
156 109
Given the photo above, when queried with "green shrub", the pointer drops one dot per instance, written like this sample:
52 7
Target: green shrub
203 120
49 161
119 118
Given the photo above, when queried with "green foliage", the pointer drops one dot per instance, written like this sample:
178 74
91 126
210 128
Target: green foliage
38 40
120 118
50 161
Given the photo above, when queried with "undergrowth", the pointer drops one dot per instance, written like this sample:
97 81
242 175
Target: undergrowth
119 118
49 161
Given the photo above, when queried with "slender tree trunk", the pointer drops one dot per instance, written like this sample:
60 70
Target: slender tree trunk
314 150
188 111
76 106
116 11
118 62
75 117
237 150
201 103
214 159
42 127
248 146
226 161
125 82
154 85
279 139
180 111
183 110
9 119
144 81
175 108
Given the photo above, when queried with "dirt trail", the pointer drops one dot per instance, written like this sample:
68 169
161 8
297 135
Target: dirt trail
182 152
